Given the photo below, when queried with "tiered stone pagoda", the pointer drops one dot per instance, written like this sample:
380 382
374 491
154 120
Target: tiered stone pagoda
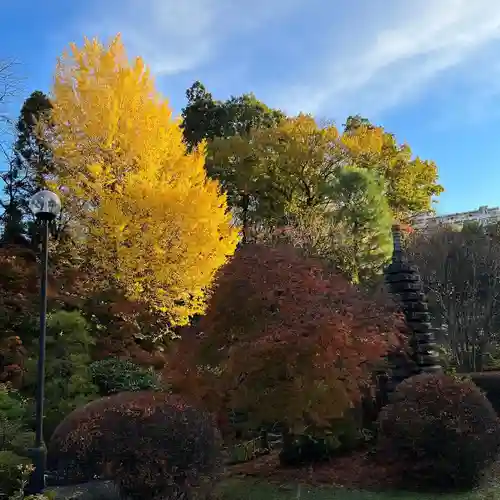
405 285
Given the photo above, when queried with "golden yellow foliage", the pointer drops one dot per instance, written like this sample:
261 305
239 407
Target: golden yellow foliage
273 172
283 169
153 220
364 140
300 159
410 181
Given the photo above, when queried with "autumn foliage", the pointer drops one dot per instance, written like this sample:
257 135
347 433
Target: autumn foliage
18 289
150 443
283 338
129 326
411 182
19 305
155 226
441 431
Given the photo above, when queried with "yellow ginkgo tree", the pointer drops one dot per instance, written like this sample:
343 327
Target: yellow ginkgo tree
152 221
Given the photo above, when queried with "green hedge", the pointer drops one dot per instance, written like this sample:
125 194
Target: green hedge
114 375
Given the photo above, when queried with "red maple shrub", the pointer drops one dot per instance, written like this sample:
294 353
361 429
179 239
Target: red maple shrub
13 356
18 291
150 443
130 327
284 338
442 432
19 309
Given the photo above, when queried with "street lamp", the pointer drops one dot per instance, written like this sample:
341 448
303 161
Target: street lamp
45 206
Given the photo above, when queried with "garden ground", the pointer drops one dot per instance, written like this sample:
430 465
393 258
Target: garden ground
254 489
356 477
354 471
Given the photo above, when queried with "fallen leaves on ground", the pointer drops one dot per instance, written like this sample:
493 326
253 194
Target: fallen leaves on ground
357 471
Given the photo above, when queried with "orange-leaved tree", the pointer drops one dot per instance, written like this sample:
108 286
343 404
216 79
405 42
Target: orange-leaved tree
151 221
284 339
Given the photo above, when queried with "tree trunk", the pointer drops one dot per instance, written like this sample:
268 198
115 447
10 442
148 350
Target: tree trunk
245 207
264 439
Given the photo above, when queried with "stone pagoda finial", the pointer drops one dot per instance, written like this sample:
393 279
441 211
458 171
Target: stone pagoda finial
397 252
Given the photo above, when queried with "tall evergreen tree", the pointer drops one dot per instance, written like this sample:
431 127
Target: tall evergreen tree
33 154
206 118
13 225
29 167
202 117
362 211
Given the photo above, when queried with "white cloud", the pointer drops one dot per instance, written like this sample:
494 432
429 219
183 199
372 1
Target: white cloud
372 56
393 57
179 35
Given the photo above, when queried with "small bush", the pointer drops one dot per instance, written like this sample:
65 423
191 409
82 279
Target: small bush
14 438
442 431
11 471
68 379
306 448
14 416
19 493
319 445
151 444
113 375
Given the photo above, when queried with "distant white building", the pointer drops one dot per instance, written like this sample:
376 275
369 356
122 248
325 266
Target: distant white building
483 215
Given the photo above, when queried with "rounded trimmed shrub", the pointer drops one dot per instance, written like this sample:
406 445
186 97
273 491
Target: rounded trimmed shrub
441 431
150 443
489 383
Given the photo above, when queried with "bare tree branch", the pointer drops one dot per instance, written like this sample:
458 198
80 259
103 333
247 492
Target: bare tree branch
461 273
9 80
10 86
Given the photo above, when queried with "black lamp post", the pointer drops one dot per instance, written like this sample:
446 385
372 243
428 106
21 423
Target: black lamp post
45 206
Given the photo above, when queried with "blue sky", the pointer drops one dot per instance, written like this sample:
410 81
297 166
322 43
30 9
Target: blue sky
428 70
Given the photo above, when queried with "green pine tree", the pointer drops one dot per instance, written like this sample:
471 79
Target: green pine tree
30 165
362 213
